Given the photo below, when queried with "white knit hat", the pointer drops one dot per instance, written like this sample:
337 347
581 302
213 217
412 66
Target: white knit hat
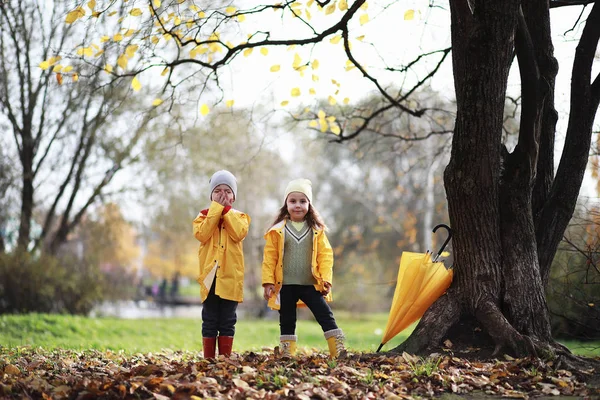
223 177
299 185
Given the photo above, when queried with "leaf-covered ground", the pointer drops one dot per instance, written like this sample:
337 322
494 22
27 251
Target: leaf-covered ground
37 373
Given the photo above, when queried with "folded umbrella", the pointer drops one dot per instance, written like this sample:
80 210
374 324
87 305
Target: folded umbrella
421 281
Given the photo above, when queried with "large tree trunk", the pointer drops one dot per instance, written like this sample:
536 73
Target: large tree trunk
497 299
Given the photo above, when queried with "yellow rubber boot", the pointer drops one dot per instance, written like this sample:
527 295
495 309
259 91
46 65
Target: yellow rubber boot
287 345
335 341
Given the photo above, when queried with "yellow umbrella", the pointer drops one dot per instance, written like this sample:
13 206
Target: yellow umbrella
421 281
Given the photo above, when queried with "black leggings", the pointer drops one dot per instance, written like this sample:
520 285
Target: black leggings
218 315
314 300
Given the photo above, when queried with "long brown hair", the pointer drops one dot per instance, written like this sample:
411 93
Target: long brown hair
312 217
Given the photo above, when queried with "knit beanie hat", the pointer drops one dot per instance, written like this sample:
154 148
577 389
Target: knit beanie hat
299 185
223 177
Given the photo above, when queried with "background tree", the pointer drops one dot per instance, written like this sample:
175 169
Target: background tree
66 137
508 206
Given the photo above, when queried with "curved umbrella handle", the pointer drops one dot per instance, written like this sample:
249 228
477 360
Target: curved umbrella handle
445 242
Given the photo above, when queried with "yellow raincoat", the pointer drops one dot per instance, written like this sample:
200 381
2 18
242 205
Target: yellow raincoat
221 252
272 266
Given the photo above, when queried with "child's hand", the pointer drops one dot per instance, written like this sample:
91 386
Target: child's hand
326 288
268 290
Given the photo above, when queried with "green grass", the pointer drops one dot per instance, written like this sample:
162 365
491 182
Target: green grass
363 333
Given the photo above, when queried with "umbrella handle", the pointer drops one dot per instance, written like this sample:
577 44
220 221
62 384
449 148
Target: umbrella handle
379 348
447 239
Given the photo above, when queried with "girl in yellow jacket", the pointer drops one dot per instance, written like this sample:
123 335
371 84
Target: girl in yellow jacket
220 230
298 266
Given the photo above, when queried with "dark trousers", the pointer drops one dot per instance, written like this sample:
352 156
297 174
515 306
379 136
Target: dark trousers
218 315
314 300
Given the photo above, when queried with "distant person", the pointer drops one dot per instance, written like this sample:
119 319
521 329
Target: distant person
175 286
298 265
162 291
220 230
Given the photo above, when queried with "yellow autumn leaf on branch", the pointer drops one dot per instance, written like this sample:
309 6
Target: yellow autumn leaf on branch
104 39
335 129
204 109
75 77
44 65
364 6
315 78
156 3
230 10
248 51
284 103
330 9
136 12
314 123
321 114
74 15
57 68
315 64
343 5
91 4
364 19
346 100
323 125
295 92
229 103
275 68
312 91
335 39
108 68
297 61
68 68
157 102
118 37
241 18
122 61
135 84
409 15
332 100
264 51
130 50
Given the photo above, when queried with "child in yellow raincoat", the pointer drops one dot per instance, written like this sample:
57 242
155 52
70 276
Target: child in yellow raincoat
298 266
220 230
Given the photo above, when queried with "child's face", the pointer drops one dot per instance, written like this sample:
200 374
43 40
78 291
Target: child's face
297 205
222 194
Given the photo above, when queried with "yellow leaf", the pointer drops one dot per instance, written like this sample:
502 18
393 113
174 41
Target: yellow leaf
335 39
297 61
155 39
335 129
135 84
74 15
156 3
295 92
409 15
315 78
104 39
591 304
129 32
201 14
136 12
321 114
360 38
110 14
204 109
248 51
308 16
346 100
284 103
157 102
315 64
230 10
275 68
364 6
312 91
130 50
343 5
264 51
164 71
44 65
323 125
229 103
364 19
118 37
314 123
241 18
330 9
349 65
108 68
332 101
57 68
68 68
75 77
122 61
91 4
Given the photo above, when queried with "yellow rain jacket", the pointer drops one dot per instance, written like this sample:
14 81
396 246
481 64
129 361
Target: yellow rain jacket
272 267
221 253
